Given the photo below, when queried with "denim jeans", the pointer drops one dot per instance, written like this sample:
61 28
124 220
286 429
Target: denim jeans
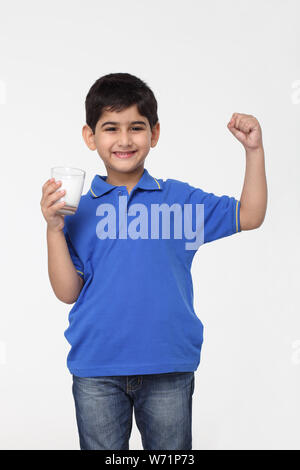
162 406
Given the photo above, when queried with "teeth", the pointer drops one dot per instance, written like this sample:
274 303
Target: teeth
124 154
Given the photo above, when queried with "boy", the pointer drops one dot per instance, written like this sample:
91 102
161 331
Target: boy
135 338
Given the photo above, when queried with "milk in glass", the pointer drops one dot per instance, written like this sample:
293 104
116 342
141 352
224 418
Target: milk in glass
72 182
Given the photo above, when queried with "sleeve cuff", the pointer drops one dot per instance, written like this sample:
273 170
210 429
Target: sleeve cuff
237 217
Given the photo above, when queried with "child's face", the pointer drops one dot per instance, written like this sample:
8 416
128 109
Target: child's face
122 136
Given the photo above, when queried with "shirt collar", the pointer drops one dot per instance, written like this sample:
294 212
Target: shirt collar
99 185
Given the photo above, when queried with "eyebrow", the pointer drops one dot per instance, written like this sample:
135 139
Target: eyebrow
113 122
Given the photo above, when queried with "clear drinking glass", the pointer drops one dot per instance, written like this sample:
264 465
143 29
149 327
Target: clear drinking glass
72 182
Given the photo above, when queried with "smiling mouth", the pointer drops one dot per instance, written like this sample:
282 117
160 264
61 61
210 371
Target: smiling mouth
124 154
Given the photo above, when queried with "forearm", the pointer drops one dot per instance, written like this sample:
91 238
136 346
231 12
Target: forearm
253 201
63 276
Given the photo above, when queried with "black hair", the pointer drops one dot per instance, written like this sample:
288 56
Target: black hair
118 91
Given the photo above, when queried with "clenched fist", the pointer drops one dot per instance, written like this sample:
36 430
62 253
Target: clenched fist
247 130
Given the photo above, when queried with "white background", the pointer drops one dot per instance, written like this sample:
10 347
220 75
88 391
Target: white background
203 61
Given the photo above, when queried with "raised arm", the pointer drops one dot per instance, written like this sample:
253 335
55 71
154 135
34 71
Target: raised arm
65 281
253 200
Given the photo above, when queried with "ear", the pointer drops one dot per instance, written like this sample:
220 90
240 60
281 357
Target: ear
88 137
155 134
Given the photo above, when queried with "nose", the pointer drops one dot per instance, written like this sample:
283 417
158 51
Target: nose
125 139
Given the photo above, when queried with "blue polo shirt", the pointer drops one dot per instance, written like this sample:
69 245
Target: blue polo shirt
135 313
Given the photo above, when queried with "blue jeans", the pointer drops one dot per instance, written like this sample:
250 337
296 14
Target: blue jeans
162 406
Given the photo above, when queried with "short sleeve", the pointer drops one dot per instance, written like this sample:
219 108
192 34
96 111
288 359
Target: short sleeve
221 214
74 256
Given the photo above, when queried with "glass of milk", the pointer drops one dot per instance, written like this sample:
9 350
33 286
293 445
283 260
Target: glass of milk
72 182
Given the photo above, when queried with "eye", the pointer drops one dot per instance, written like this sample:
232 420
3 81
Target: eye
112 128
